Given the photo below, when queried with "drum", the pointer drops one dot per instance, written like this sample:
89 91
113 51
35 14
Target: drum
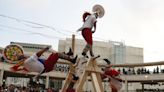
12 52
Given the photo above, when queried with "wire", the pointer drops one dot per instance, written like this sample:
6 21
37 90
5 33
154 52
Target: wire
45 26
34 23
32 33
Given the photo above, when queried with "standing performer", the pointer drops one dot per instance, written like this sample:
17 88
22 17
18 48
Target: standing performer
90 21
35 64
114 77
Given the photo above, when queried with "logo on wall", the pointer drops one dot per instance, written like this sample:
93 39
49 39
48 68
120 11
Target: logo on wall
12 52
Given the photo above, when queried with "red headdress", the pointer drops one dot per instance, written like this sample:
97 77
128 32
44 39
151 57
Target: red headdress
85 15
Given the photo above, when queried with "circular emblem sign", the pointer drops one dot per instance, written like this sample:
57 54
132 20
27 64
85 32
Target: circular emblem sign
12 52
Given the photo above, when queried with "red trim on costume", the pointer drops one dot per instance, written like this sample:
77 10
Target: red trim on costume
18 68
24 69
50 62
85 15
87 34
112 72
15 68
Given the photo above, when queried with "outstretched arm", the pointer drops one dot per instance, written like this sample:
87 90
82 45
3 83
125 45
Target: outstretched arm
39 74
42 51
36 76
16 67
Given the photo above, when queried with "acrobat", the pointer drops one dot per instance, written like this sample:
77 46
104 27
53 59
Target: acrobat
90 21
34 64
114 77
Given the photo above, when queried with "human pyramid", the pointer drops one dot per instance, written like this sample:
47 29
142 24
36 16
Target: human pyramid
80 68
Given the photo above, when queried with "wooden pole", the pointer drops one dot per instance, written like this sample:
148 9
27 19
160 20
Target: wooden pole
73 43
71 71
142 87
47 81
68 79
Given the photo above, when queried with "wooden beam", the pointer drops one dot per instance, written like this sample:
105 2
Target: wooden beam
136 64
73 43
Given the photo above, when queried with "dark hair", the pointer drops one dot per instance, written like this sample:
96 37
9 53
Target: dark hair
107 61
85 15
21 57
96 14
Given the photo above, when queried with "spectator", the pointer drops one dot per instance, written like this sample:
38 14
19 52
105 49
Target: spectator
138 71
1 56
133 71
11 88
157 69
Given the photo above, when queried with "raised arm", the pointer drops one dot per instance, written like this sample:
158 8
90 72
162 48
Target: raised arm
42 51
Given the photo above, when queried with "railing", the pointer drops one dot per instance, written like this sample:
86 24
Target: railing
62 71
128 76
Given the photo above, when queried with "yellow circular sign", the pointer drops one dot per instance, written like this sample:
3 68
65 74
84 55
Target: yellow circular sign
12 52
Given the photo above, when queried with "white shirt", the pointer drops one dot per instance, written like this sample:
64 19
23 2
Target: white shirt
33 65
89 22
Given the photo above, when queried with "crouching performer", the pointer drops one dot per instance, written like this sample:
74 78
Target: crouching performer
114 77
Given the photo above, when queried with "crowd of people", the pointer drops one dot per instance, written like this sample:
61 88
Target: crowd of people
125 71
61 68
14 88
134 71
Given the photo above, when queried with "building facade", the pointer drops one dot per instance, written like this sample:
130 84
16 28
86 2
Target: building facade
116 52
48 79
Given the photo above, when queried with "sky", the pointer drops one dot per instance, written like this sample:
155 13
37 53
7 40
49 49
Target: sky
137 23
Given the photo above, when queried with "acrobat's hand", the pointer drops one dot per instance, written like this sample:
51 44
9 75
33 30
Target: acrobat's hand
53 51
48 47
93 31
24 69
78 30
